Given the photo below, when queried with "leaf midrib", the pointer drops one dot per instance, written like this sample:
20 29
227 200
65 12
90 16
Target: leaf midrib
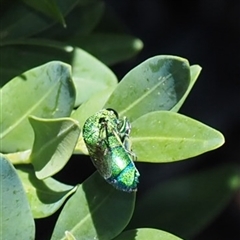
137 101
77 226
30 110
161 138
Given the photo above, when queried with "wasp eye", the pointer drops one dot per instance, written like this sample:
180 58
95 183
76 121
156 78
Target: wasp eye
112 110
102 120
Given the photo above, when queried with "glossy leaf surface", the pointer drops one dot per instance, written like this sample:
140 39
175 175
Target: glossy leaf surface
19 157
156 84
33 52
15 215
165 136
89 75
44 196
54 142
96 210
185 205
69 236
46 91
146 233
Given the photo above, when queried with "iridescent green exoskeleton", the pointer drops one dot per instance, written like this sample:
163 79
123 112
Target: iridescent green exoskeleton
107 140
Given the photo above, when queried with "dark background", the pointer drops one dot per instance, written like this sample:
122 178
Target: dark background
206 33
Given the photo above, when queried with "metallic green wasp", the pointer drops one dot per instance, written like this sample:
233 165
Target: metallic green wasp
107 139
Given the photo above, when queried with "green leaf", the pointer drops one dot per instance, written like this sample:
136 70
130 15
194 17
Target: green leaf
109 48
46 91
80 22
54 142
96 210
44 196
69 236
89 74
187 204
19 21
146 233
33 52
48 7
156 84
195 71
165 136
15 215
19 157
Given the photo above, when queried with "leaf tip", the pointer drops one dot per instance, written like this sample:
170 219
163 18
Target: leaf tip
218 140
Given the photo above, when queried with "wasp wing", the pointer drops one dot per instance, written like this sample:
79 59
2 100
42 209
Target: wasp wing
101 161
